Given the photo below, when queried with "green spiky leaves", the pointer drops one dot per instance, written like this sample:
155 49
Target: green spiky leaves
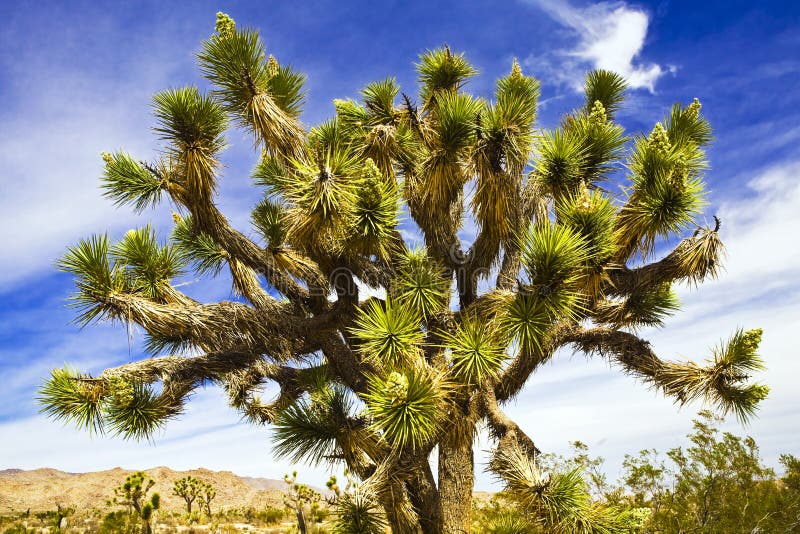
723 383
320 195
421 283
286 87
553 498
264 97
734 363
453 133
591 215
476 352
560 161
321 429
375 212
378 100
130 410
134 410
66 397
189 120
524 319
605 87
554 257
270 219
197 248
685 125
149 266
234 61
96 277
406 407
272 174
441 70
193 124
359 513
389 333
667 191
128 182
456 120
557 502
517 96
136 265
647 307
601 141
582 151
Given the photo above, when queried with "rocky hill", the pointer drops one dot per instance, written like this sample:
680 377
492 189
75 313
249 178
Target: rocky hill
44 489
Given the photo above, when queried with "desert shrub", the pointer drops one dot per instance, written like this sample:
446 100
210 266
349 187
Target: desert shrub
119 522
271 515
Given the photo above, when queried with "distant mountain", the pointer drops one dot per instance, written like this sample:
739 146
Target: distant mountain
44 489
264 483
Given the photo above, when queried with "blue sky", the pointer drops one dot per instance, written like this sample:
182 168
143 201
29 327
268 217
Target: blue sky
76 78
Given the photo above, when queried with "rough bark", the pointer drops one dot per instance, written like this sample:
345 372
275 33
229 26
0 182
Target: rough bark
425 497
456 478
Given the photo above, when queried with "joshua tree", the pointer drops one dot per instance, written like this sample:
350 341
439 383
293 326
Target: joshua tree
133 495
451 329
188 489
297 498
206 495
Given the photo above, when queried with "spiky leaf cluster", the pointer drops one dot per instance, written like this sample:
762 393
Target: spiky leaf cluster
645 308
667 191
375 212
262 96
442 71
389 333
421 283
407 407
555 257
323 428
591 215
723 383
476 352
131 410
128 182
558 501
358 513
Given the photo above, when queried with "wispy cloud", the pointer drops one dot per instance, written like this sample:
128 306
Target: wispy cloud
608 35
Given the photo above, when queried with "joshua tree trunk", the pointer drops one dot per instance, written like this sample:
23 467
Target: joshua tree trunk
301 521
424 495
456 477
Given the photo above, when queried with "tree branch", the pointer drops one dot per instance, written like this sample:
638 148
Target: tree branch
502 427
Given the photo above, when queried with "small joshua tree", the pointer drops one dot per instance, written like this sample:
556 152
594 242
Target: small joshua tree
356 513
188 489
205 496
133 495
298 498
457 328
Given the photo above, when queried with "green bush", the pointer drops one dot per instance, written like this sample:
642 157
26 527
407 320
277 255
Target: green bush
272 515
119 522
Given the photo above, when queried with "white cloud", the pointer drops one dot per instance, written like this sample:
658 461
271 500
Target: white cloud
51 158
610 36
